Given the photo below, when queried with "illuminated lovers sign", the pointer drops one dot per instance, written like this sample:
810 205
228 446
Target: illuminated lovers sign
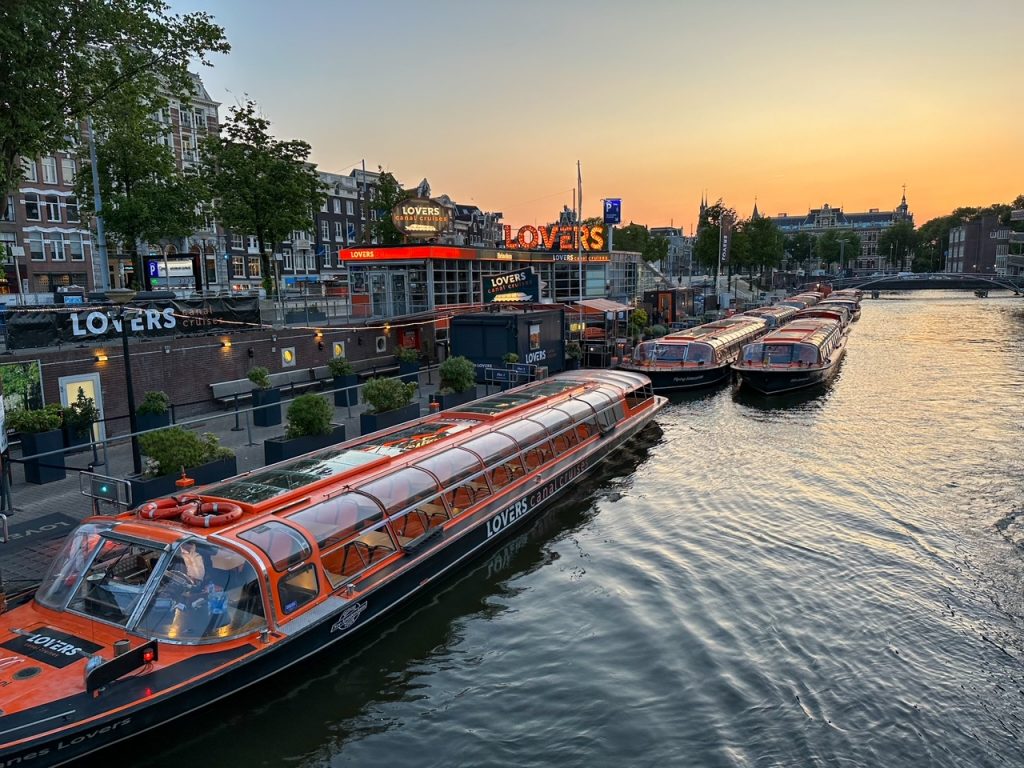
556 237
521 285
420 217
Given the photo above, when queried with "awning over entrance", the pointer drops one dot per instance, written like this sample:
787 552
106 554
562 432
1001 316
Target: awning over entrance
602 305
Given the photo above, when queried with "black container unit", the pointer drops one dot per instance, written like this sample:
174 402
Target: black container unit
536 335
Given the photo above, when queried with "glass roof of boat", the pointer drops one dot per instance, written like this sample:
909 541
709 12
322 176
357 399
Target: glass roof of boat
504 401
274 481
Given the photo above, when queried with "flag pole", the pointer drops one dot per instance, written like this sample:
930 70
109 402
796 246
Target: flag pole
579 240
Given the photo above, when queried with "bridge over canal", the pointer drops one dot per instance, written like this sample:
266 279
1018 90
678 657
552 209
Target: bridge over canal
932 281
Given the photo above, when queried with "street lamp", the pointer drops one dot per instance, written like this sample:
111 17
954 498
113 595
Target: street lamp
121 297
842 256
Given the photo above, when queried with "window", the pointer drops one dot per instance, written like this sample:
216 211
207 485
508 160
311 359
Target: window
236 241
284 546
288 263
8 240
337 205
52 208
28 169
115 581
310 261
238 265
349 207
49 170
8 211
254 266
35 246
32 206
77 243
298 588
57 245
325 230
339 235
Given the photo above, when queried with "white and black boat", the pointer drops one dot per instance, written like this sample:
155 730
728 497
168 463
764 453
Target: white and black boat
803 353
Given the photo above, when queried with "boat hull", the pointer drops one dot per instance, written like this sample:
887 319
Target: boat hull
679 379
775 381
137 704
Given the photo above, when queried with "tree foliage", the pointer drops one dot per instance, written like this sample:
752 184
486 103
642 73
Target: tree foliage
637 238
260 185
706 249
897 243
145 199
837 247
61 60
798 250
388 194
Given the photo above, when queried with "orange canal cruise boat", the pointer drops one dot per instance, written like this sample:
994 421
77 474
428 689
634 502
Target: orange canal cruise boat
147 616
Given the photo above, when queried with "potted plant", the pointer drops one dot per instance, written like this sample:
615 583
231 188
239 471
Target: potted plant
511 359
309 428
154 411
170 450
408 364
390 402
40 433
573 355
78 420
458 383
265 399
345 380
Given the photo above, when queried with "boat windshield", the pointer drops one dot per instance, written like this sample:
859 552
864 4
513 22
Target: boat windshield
70 565
672 353
207 592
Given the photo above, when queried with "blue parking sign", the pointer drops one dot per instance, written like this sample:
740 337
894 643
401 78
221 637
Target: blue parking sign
154 268
613 211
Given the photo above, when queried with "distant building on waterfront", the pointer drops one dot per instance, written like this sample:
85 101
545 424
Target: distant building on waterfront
868 225
975 247
679 261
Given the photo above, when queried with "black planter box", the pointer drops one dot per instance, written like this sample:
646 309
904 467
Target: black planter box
266 417
409 372
278 449
148 421
371 422
144 489
73 440
455 398
349 396
48 469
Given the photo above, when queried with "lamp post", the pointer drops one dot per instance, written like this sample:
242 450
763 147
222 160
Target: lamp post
121 297
842 256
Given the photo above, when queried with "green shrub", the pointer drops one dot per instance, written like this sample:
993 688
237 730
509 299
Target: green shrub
339 366
384 394
43 420
154 402
260 376
573 350
457 374
658 330
173 448
510 358
309 415
638 320
81 414
408 355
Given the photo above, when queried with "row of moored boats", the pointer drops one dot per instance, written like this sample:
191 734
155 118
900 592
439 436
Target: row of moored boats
791 345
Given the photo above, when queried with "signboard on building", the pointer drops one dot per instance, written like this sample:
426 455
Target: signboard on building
176 267
521 285
420 217
556 237
146 319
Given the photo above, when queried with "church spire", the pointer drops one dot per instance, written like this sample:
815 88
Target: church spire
756 214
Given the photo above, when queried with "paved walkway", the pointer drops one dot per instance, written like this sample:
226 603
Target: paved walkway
44 514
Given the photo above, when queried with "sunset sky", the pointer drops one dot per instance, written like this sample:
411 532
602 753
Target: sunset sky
797 103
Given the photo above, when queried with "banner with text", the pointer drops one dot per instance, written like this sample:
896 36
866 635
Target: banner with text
28 328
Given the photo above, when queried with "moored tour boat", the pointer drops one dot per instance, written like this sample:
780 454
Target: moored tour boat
776 314
828 312
803 300
851 305
801 354
697 357
146 616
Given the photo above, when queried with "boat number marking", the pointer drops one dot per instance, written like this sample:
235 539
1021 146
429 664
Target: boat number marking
349 617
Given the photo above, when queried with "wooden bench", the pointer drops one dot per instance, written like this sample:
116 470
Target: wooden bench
226 392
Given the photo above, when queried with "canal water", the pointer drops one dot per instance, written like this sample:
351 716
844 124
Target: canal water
828 579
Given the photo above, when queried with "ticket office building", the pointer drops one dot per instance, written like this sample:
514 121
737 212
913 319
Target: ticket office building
402 280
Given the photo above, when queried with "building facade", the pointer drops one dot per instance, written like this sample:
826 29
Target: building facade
973 246
679 261
868 225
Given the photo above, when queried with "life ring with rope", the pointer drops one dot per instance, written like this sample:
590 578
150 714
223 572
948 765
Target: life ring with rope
211 514
165 509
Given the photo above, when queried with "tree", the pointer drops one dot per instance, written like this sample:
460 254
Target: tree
896 243
144 197
798 249
766 242
837 247
388 195
637 238
61 60
259 185
706 249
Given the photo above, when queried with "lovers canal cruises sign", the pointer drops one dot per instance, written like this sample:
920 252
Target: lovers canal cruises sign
556 237
420 217
521 285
